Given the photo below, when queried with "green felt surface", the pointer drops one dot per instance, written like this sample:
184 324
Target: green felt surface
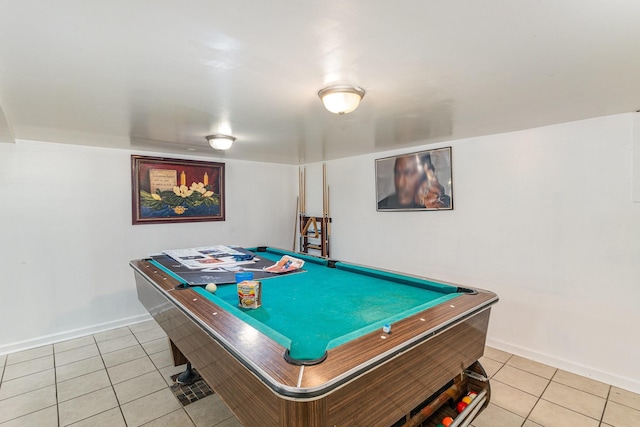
321 308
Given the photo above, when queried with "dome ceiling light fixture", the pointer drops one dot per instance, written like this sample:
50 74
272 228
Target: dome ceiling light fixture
341 99
220 142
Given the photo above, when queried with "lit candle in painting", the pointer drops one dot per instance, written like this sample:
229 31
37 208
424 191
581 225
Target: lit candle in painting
205 180
183 178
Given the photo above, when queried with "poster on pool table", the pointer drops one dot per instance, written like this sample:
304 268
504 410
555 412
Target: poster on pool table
262 268
210 256
219 276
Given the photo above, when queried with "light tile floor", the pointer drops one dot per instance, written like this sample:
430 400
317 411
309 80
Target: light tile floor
121 378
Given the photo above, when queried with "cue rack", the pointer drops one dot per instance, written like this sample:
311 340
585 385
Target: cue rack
314 231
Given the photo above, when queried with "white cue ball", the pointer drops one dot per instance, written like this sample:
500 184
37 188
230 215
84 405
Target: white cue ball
211 287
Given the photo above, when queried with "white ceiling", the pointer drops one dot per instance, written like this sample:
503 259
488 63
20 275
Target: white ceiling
160 75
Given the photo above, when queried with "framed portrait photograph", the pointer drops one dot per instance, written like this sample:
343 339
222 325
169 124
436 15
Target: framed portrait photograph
419 181
172 190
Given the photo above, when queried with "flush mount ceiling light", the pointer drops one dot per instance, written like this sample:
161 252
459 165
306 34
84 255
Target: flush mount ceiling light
220 142
341 99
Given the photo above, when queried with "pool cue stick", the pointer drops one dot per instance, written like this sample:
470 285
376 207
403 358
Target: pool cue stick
327 220
328 213
300 190
304 189
325 211
295 224
301 214
323 251
299 201
324 189
303 205
452 393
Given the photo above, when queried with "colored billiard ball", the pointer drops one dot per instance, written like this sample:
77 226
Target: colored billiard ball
211 287
472 394
440 425
461 406
466 399
446 421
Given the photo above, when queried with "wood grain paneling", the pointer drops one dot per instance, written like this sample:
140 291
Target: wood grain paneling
396 387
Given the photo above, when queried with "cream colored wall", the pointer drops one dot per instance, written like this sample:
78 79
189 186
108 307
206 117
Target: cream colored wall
66 236
543 217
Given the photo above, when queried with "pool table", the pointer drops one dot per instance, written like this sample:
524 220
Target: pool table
315 353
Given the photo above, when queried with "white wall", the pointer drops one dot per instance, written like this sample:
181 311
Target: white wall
66 236
542 217
636 158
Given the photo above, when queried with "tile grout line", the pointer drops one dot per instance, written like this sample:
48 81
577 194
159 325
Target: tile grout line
19 394
156 370
606 400
55 382
4 367
550 380
527 417
539 398
606 403
563 384
110 381
105 369
160 373
56 378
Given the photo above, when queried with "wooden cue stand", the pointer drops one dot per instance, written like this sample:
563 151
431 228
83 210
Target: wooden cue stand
314 234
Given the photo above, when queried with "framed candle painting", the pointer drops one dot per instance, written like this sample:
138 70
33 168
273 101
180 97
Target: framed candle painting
172 190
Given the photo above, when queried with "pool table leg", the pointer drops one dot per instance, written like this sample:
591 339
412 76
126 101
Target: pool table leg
189 375
176 354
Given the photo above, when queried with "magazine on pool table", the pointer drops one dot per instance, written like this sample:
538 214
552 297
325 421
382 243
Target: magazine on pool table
211 256
218 274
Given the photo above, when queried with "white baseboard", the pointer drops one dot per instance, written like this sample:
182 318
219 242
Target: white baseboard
626 383
69 335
